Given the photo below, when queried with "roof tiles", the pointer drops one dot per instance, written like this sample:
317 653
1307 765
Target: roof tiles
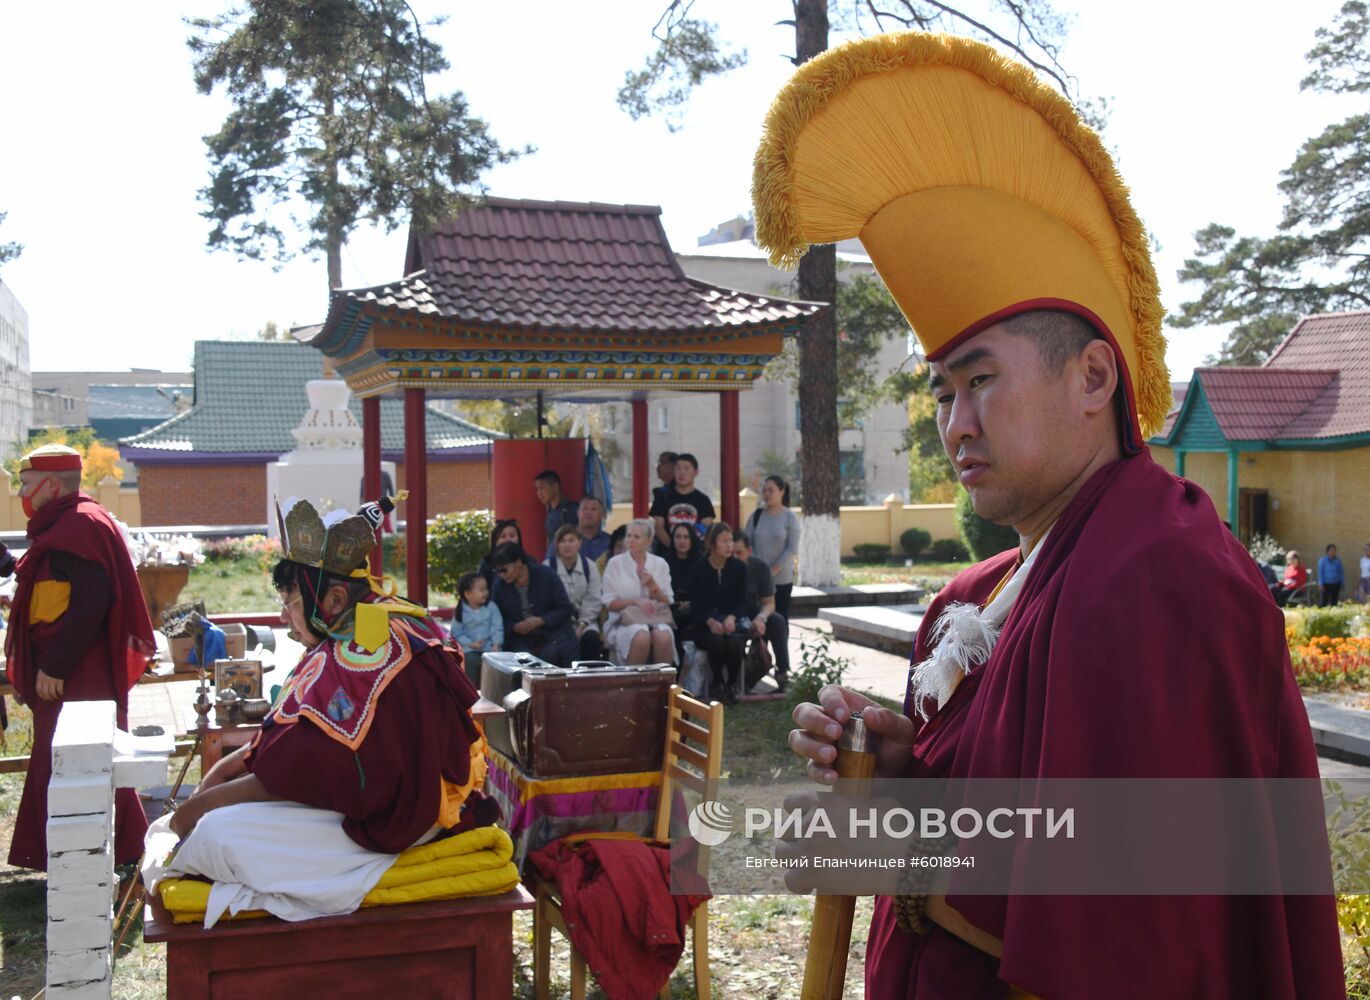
249 396
564 266
1315 387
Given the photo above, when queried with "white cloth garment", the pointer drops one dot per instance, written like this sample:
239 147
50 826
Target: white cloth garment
290 860
621 582
963 638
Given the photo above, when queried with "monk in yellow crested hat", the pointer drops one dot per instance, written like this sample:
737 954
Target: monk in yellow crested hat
975 188
1128 636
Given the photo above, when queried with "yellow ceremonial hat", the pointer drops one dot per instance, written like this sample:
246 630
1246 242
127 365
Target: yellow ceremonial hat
51 458
977 191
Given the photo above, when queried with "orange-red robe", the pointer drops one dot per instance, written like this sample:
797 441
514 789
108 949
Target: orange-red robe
104 671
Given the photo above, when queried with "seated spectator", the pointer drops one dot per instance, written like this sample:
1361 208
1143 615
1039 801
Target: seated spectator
594 540
681 503
503 531
684 553
560 511
618 543
477 625
581 580
718 607
637 592
768 624
537 613
1295 577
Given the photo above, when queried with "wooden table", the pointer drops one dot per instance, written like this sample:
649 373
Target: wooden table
218 740
458 949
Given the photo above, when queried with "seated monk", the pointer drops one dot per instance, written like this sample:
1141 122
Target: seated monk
369 748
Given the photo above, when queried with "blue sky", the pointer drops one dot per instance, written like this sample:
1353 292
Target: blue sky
101 155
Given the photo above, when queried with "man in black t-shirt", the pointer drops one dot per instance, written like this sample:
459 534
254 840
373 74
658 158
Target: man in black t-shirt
681 504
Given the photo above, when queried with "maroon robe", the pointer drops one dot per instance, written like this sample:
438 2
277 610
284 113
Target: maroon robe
1147 631
373 740
104 671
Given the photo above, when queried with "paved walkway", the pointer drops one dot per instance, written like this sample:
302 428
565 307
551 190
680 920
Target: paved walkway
872 671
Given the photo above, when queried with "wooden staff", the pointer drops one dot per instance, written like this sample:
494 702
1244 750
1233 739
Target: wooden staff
825 968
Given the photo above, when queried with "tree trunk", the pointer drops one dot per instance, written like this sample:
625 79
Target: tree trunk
820 545
334 258
333 232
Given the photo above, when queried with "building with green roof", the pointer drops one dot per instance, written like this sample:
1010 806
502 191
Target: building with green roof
208 464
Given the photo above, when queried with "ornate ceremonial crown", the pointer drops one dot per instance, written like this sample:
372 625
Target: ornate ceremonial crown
338 542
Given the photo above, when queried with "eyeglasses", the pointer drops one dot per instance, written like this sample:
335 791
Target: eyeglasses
285 605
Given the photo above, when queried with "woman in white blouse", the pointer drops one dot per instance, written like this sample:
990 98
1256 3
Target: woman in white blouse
637 587
581 579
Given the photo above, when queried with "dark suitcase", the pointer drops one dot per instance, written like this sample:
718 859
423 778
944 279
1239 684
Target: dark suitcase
598 719
500 675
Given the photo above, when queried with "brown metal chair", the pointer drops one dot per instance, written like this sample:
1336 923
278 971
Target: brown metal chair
693 758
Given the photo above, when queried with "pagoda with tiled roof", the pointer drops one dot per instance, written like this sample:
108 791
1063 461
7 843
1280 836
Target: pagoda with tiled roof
572 300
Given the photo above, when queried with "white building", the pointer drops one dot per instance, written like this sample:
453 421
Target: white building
16 387
873 465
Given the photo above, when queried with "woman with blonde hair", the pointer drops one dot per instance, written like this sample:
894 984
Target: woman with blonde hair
637 592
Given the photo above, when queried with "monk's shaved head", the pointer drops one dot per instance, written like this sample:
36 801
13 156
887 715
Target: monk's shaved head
1060 335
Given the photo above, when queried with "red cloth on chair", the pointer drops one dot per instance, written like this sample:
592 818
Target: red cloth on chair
619 912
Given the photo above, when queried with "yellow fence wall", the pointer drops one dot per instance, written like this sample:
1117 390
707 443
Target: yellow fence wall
122 503
880 525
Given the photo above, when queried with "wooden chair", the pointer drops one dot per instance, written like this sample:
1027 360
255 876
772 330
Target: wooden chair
694 759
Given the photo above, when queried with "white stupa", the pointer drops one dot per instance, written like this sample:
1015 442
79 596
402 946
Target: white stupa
326 465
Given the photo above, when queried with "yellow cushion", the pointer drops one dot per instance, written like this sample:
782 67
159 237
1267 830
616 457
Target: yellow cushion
474 863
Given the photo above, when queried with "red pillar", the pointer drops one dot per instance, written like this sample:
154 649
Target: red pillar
730 455
371 467
416 508
644 473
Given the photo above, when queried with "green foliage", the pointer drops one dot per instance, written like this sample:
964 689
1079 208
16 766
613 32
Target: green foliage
9 251
983 538
518 418
1320 258
456 543
687 54
867 317
240 547
330 106
948 550
932 477
1341 621
818 666
914 540
98 458
871 552
1348 834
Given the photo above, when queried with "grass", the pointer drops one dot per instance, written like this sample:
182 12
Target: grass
757 943
244 585
929 576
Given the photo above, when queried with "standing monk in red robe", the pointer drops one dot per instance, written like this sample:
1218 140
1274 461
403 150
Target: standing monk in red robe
1129 636
79 631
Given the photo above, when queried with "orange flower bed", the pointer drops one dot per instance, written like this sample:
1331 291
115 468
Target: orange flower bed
1327 663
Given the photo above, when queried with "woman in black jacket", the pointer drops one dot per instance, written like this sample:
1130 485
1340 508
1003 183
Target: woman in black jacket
718 601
